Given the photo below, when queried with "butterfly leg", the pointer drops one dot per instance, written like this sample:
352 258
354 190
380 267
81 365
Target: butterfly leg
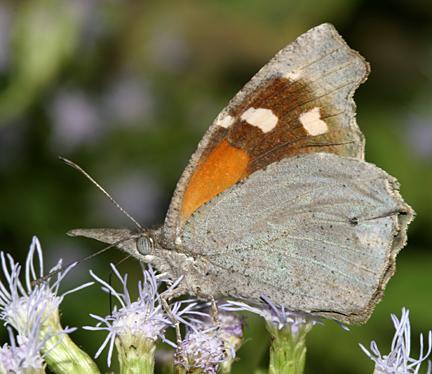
172 317
179 288
214 311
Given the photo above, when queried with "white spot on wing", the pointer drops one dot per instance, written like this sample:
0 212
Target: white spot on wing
225 120
312 122
262 118
293 75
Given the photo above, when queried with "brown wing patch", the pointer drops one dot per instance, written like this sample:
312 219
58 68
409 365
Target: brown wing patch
290 101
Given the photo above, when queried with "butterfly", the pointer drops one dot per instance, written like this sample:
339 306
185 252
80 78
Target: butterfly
277 200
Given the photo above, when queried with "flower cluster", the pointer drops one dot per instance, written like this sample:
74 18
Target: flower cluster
140 322
399 360
288 330
22 353
277 317
30 306
18 298
201 349
210 342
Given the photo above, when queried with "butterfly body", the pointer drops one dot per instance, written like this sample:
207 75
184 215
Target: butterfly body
277 200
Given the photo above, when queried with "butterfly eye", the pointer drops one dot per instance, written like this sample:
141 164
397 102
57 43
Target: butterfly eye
145 245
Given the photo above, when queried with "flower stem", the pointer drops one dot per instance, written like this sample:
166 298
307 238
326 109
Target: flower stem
136 355
66 357
32 371
62 355
225 367
288 349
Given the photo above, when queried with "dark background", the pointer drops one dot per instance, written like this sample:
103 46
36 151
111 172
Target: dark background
127 88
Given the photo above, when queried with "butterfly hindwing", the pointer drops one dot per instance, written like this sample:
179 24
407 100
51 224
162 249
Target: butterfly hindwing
316 233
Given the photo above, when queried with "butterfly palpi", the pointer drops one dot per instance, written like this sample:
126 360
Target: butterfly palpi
277 200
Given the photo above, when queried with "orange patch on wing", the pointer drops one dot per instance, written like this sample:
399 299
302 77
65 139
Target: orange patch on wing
222 168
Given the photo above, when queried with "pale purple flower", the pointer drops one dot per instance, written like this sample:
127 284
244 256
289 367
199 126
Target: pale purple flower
231 330
201 349
24 351
419 135
398 361
210 341
16 357
33 293
129 101
77 120
277 316
144 318
230 323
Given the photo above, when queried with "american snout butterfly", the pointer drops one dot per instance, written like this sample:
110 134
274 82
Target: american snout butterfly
277 200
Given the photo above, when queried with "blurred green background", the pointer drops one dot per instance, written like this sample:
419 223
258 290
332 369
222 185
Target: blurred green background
127 88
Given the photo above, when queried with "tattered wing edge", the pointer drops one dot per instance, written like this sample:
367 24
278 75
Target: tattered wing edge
404 217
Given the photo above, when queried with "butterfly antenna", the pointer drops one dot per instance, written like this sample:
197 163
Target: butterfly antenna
91 179
62 268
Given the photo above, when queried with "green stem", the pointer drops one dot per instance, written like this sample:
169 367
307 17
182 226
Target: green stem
32 371
136 355
61 354
225 367
288 350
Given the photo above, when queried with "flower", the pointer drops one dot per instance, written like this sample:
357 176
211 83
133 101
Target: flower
36 293
210 342
24 353
201 349
399 360
137 323
24 356
231 330
276 316
31 307
288 330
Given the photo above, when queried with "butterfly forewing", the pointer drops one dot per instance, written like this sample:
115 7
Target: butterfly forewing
300 102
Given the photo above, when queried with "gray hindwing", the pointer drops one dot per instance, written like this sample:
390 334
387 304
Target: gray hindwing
316 233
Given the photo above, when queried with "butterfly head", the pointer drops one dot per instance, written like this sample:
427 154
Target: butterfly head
142 245
146 245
